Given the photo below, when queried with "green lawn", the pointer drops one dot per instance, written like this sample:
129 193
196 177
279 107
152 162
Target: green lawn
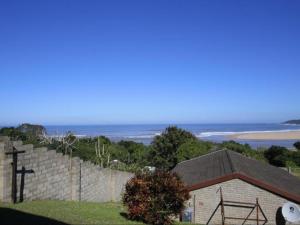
61 213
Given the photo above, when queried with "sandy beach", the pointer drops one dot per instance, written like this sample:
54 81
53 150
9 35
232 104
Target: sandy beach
282 135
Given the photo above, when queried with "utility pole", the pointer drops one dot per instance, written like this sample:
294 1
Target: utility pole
15 171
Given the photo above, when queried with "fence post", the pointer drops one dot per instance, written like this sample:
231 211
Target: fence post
257 211
194 205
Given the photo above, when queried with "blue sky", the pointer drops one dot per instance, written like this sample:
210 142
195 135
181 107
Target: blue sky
122 62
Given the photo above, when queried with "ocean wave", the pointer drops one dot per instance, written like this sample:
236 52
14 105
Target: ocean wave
63 135
228 133
148 136
215 133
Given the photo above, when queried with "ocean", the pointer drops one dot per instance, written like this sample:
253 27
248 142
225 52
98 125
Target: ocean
146 133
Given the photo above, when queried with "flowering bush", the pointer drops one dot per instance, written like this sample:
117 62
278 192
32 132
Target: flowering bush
155 198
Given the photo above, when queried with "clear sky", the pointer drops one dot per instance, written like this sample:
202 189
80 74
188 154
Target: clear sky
146 61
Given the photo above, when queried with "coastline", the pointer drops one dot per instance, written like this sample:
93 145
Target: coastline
208 132
272 135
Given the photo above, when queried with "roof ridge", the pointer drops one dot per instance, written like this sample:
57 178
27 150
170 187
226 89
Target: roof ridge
232 167
258 161
210 153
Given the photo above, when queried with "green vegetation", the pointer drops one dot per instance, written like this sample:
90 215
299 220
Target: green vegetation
29 134
297 145
155 198
277 156
193 148
292 122
173 146
282 157
13 133
123 155
64 213
295 171
165 147
244 149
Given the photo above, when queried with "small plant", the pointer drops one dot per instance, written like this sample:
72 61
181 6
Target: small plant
155 198
102 154
66 143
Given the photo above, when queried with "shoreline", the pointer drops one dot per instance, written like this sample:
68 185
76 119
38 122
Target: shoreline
272 135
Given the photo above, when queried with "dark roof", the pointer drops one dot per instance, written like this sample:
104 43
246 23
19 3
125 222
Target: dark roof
219 166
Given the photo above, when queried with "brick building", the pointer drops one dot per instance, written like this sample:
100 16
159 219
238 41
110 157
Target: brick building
241 179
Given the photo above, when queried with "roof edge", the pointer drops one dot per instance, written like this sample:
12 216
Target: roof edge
202 156
250 180
232 167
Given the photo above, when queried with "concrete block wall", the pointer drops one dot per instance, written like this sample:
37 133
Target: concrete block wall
5 170
57 177
207 199
2 170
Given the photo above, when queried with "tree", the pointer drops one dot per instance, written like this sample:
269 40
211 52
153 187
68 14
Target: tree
235 146
244 149
192 149
135 151
295 158
155 198
297 145
13 133
277 156
164 150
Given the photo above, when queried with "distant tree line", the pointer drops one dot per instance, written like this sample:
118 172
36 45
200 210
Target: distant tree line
293 122
174 145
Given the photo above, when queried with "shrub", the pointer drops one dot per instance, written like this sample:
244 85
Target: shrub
155 198
277 156
235 146
297 145
192 149
13 133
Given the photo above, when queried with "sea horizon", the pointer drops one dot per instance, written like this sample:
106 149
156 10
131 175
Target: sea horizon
144 133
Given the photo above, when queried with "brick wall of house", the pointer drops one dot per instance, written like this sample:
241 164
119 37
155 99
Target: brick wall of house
207 199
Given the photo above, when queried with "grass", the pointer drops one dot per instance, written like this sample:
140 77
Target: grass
296 171
68 212
62 213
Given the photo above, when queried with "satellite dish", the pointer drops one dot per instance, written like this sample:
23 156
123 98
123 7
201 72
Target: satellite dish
291 212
